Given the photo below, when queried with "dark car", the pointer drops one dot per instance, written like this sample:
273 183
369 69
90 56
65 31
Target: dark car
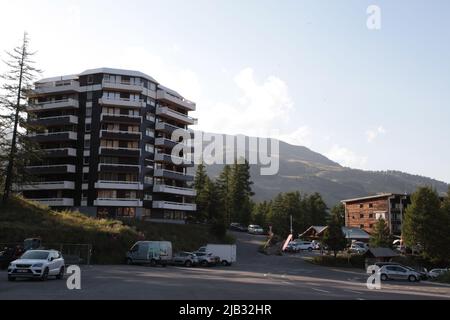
9 254
238 227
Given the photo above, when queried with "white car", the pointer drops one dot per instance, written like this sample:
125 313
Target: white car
397 272
255 229
37 264
302 245
437 272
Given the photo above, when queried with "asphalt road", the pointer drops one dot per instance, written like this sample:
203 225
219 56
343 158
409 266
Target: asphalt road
255 276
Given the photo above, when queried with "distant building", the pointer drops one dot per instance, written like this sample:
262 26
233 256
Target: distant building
364 212
353 234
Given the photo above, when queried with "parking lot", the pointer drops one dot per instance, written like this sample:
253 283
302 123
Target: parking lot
255 276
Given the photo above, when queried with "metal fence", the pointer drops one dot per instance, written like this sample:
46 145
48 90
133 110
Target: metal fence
73 253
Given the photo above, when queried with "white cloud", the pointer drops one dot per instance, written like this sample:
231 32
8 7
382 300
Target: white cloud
346 157
261 109
300 137
372 134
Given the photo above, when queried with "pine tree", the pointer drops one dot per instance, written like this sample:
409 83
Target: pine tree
16 149
381 237
425 224
333 236
201 183
317 209
338 211
241 193
224 190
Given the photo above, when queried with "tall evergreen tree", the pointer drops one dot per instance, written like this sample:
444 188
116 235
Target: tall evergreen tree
338 211
381 236
317 209
201 183
16 150
224 190
333 236
424 224
241 193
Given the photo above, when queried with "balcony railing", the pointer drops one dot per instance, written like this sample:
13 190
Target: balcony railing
120 151
70 134
57 119
174 205
56 86
137 134
72 152
174 190
122 85
55 202
175 115
168 97
122 102
67 103
118 202
119 185
67 168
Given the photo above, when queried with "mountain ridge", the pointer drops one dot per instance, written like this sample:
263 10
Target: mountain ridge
302 169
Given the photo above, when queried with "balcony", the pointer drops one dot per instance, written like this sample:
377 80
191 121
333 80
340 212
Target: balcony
162 188
119 152
54 121
169 128
174 175
56 87
122 86
51 169
170 98
53 136
117 202
174 206
55 202
118 167
57 104
121 118
167 158
51 185
122 102
175 115
120 135
60 152
119 185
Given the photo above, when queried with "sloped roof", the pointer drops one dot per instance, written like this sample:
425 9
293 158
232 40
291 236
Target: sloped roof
317 229
355 233
382 253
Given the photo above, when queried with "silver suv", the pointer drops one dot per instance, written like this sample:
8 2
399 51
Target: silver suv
396 272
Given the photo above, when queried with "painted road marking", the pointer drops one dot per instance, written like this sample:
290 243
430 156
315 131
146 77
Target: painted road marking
320 290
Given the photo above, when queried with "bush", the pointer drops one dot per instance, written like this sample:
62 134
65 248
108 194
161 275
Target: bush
355 261
444 278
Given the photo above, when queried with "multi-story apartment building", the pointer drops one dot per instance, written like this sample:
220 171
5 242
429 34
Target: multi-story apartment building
106 134
364 212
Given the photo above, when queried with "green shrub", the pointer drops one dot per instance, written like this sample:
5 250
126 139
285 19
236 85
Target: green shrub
355 261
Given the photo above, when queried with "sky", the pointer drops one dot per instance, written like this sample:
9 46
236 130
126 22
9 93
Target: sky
308 72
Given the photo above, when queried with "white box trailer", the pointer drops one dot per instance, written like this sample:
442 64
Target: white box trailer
226 252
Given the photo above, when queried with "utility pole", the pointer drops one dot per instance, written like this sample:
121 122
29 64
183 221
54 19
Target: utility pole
291 224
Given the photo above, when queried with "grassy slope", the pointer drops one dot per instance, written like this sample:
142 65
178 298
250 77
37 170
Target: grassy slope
21 219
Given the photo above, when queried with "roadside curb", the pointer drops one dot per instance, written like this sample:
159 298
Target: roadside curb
437 283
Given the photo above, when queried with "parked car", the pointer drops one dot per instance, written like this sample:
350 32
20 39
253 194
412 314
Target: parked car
226 252
207 259
297 246
150 252
37 264
358 248
255 229
433 274
187 259
396 272
238 227
316 245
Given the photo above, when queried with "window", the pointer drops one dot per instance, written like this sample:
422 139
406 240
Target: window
89 96
124 96
152 86
90 79
361 226
370 205
87 144
149 148
126 212
361 206
371 215
150 117
86 160
361 215
88 112
87 127
149 132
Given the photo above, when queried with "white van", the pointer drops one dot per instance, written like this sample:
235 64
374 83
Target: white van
226 252
150 252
